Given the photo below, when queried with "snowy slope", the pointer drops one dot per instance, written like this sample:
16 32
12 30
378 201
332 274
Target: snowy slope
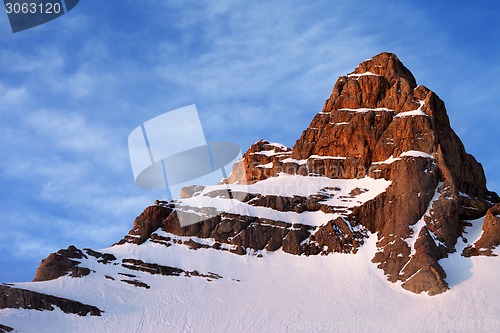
277 292
340 192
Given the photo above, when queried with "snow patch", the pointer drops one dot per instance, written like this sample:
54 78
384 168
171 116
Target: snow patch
409 153
328 157
411 114
343 194
362 74
390 160
366 109
417 112
279 145
416 153
292 160
270 153
266 166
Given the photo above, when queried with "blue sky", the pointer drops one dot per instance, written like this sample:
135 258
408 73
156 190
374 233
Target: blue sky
73 89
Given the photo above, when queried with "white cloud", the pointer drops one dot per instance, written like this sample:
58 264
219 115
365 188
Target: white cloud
22 62
12 96
70 131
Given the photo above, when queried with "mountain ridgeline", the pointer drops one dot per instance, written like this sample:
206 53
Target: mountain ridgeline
377 123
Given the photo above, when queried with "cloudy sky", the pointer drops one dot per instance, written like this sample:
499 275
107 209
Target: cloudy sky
72 90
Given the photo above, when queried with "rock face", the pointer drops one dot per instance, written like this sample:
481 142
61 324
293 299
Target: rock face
379 123
380 158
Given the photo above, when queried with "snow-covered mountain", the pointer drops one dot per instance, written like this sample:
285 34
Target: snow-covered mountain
376 220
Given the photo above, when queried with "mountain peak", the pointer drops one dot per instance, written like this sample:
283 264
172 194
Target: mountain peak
378 171
388 65
381 82
380 158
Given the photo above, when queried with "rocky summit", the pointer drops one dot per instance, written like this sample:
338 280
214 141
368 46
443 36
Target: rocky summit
379 162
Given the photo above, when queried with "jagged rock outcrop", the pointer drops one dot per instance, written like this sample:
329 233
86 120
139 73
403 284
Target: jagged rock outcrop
17 298
67 261
60 263
490 237
149 221
380 158
5 329
139 265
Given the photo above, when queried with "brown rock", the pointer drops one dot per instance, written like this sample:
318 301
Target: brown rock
139 265
337 236
103 258
59 264
16 298
5 328
490 237
148 222
262 160
136 283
